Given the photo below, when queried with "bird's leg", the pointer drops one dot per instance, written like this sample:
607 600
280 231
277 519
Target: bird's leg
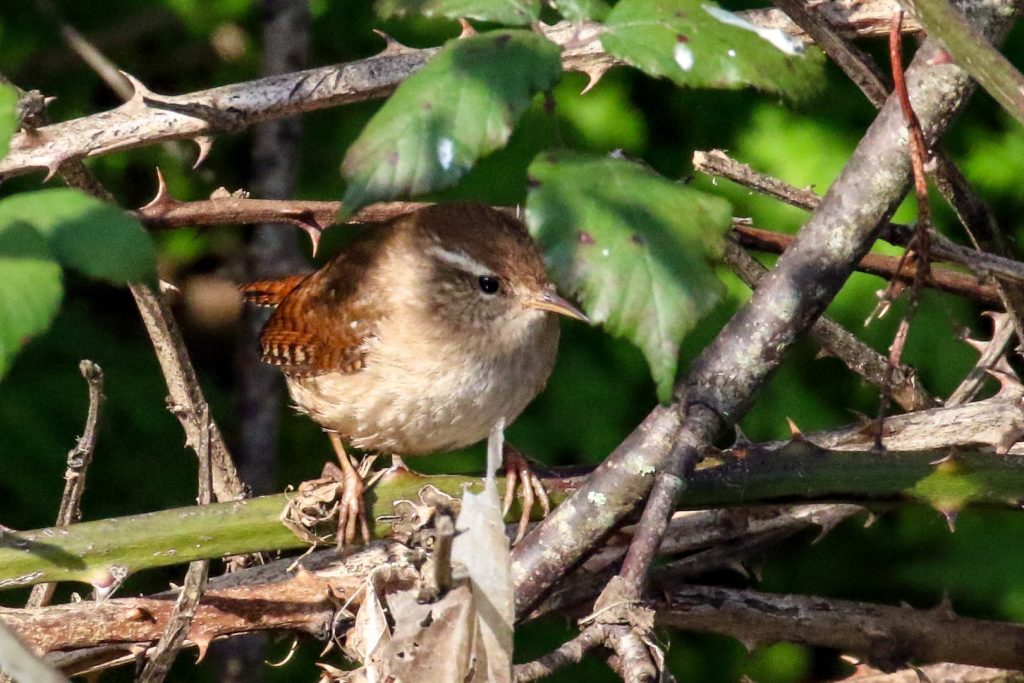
519 470
351 507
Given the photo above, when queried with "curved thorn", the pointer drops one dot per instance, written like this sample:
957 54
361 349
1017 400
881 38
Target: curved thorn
205 143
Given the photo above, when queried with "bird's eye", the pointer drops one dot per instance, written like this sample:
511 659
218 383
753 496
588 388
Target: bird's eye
489 284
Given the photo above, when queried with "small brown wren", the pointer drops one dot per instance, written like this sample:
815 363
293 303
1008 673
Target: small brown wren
418 338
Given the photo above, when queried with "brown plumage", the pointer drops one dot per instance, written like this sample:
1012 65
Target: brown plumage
421 336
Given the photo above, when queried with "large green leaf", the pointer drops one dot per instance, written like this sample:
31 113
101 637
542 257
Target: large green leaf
459 107
30 288
8 116
635 248
514 12
696 43
84 233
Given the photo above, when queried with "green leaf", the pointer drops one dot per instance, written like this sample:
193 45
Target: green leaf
84 233
635 248
513 12
582 10
461 106
696 43
30 288
8 116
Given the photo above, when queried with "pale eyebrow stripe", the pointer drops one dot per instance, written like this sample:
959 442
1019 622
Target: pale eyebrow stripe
460 260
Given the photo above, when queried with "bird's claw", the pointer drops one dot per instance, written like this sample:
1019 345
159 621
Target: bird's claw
350 502
336 496
519 473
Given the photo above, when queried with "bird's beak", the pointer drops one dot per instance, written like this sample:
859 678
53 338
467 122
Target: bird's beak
549 300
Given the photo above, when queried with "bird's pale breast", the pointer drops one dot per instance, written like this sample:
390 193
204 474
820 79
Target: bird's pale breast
433 396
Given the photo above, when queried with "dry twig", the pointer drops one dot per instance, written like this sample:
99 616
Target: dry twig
79 459
920 252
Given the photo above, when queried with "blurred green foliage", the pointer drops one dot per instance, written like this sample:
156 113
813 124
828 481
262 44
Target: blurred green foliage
601 386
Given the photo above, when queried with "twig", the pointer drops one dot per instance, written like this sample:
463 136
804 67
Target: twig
164 212
272 597
944 279
839 462
888 637
264 597
991 422
718 163
79 459
920 255
173 637
185 393
578 590
838 341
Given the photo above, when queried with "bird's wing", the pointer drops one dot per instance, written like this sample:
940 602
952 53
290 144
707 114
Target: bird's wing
323 323
270 293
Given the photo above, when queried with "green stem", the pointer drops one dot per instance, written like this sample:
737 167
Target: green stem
99 552
973 52
94 552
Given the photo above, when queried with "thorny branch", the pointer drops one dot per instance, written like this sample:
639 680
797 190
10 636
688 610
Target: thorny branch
148 118
310 600
887 637
236 208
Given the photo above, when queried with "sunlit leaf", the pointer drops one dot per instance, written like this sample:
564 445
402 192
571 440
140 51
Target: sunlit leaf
459 107
634 247
30 288
696 43
84 233
513 12
8 116
582 10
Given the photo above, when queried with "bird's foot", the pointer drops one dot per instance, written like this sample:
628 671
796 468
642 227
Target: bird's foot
337 496
351 505
519 473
